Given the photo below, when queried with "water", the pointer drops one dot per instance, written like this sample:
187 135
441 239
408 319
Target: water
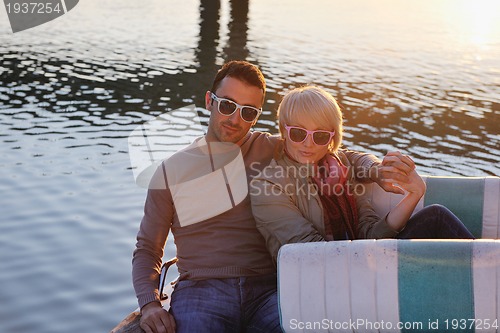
419 76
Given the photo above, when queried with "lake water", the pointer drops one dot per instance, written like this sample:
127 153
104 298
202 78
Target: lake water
420 76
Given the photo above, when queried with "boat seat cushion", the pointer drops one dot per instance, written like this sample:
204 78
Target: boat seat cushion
475 200
357 286
362 285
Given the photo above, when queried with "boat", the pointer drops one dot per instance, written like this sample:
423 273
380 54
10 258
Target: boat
391 285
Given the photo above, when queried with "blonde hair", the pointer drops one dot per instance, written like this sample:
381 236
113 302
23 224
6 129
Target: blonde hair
316 104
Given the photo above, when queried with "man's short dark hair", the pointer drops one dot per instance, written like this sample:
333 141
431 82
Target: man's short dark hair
241 70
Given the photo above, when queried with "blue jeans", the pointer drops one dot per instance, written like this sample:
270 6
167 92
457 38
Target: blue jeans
244 304
434 221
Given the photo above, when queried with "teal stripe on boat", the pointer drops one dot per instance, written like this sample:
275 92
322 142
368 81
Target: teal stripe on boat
463 196
435 283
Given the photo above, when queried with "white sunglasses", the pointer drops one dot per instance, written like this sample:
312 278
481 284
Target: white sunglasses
227 107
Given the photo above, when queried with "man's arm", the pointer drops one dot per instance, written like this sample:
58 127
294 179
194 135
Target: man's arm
394 169
147 257
364 164
151 239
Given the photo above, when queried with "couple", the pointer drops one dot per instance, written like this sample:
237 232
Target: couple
225 256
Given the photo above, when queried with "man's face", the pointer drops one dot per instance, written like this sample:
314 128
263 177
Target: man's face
231 128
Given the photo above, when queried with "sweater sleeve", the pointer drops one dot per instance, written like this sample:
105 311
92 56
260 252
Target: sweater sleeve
361 163
151 239
278 219
372 226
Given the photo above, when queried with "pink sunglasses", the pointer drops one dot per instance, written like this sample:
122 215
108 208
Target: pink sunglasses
299 135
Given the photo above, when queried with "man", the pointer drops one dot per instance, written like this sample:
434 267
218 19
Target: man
227 277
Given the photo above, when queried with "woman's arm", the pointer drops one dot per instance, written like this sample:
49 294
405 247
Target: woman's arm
278 219
371 225
400 214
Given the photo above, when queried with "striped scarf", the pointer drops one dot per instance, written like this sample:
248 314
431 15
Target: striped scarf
339 205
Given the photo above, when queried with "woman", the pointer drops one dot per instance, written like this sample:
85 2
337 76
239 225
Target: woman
308 192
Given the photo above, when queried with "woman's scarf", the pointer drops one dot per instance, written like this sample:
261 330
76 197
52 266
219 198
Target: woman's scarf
339 204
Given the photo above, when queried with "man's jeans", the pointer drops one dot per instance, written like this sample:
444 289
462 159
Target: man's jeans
244 304
434 221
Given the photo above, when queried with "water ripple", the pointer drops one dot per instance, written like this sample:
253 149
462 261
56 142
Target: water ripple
71 92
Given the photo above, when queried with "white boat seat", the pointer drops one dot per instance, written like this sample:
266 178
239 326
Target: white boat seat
475 200
376 285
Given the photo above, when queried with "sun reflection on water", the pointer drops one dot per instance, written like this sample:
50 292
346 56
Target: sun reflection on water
474 21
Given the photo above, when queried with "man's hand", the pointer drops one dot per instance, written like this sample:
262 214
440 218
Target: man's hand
155 319
394 169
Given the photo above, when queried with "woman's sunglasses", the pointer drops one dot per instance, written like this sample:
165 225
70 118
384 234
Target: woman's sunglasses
227 107
299 135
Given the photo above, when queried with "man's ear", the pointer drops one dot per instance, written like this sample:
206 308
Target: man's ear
208 100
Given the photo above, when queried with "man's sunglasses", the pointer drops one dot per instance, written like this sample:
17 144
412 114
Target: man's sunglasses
299 135
227 107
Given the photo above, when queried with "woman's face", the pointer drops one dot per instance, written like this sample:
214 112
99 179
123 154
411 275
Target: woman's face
307 151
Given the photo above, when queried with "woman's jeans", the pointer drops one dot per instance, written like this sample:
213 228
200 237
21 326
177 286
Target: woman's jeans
434 221
244 304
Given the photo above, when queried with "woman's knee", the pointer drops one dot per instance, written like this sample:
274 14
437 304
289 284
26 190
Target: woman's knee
432 216
437 210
